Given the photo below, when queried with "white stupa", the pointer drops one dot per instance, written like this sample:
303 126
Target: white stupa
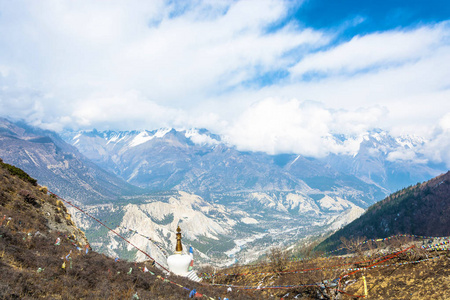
179 262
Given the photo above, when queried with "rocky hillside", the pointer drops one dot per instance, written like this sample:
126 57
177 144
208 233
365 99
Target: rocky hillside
393 269
58 165
422 209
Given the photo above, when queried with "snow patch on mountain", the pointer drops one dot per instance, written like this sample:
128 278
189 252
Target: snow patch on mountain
145 136
141 138
335 204
249 221
346 217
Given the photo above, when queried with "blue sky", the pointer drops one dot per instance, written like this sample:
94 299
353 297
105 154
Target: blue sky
378 15
274 76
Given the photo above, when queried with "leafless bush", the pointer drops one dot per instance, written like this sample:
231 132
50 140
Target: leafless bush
5 198
278 259
29 197
355 246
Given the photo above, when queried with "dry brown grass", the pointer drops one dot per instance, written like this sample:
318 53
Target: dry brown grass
316 278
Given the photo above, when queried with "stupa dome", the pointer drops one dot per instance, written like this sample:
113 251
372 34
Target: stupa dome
179 262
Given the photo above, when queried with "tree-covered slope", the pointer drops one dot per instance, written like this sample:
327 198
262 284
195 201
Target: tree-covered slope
422 209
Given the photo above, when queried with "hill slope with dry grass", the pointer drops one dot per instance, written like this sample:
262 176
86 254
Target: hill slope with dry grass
396 268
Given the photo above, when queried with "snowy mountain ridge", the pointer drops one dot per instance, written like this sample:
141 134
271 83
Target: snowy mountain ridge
185 159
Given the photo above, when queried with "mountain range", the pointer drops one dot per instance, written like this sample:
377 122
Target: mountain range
153 181
200 162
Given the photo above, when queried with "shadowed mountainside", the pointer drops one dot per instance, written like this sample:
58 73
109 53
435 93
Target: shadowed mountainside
422 209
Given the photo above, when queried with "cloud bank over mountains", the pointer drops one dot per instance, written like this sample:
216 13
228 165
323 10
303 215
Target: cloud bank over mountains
249 70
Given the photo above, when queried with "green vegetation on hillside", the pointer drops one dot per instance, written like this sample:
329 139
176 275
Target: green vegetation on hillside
18 172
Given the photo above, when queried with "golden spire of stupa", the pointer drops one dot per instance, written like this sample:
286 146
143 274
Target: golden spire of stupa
179 247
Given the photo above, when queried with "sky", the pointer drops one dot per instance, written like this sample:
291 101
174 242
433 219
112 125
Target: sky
273 76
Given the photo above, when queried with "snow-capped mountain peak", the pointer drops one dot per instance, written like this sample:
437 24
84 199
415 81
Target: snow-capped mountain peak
145 136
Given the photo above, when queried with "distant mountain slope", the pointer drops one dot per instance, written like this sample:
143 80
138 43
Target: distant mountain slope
422 209
217 232
58 165
390 162
193 161
201 163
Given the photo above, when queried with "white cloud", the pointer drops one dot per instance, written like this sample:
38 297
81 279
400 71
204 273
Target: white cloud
153 64
129 109
377 50
404 155
437 149
276 126
90 50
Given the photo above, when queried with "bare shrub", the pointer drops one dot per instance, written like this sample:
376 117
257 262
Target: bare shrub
278 259
28 197
355 246
5 198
